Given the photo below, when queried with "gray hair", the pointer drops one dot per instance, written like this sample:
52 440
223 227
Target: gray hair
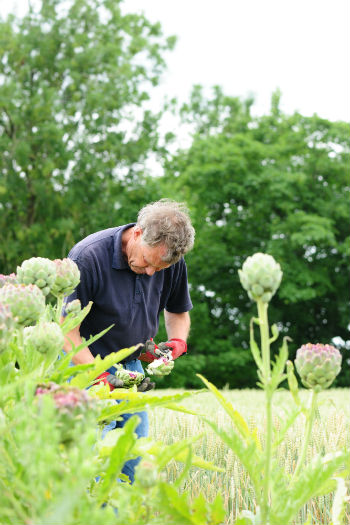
167 222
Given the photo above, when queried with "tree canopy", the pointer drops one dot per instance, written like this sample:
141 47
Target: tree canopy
275 184
74 128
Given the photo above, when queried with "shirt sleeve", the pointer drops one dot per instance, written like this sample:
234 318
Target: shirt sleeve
179 300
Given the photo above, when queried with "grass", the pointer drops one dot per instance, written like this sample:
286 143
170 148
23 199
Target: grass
330 432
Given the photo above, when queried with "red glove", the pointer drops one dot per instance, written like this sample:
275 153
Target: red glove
102 378
149 351
177 347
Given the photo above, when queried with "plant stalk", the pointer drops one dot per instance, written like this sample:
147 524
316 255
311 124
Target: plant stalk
265 350
59 306
307 435
265 338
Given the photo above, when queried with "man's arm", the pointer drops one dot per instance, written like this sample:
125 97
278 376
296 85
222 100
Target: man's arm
82 357
177 325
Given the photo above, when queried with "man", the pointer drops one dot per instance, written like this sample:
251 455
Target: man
132 273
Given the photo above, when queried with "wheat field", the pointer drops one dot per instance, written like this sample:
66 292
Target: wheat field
330 432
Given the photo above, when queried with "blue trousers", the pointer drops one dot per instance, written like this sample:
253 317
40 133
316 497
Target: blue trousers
141 429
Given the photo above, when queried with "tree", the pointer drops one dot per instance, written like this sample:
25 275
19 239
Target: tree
275 184
74 128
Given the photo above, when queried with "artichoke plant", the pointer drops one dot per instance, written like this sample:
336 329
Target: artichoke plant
44 337
7 324
260 276
67 277
39 271
318 365
26 302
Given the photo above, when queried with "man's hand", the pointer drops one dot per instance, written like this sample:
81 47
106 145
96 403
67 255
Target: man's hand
110 380
177 347
114 382
150 352
146 385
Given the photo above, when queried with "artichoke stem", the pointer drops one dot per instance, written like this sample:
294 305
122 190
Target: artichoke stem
264 335
59 306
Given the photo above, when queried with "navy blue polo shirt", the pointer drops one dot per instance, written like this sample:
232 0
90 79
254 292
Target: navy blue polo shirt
121 297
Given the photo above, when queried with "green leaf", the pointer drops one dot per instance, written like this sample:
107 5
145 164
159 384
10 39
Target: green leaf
254 347
274 331
235 416
339 503
311 481
217 510
84 379
277 375
248 453
121 452
293 383
137 401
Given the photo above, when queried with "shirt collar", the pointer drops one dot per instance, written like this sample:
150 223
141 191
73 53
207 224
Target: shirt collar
119 263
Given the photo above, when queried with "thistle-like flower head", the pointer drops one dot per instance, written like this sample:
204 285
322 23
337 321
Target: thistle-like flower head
39 271
70 401
26 302
44 337
67 277
7 324
260 276
318 365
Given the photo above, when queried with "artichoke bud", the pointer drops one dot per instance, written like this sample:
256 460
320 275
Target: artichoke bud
67 277
128 377
8 279
260 276
44 337
26 302
318 365
147 474
39 271
161 367
74 307
7 324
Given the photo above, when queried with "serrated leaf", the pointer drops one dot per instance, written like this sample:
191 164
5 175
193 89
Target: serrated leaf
131 402
309 483
120 453
235 416
85 379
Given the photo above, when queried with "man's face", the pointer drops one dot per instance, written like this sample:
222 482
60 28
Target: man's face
144 259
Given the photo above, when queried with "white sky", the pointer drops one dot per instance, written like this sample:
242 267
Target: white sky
253 47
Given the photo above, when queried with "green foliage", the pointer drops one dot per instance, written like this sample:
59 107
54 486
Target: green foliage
74 129
275 184
76 474
279 497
